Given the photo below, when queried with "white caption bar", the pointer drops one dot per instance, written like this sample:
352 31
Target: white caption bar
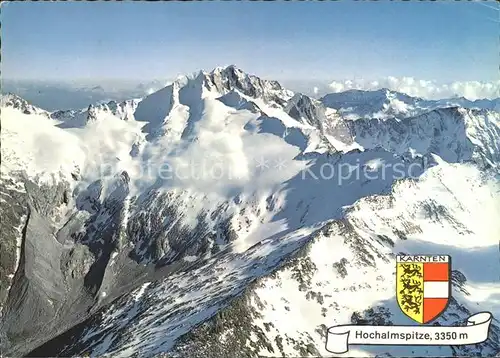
476 331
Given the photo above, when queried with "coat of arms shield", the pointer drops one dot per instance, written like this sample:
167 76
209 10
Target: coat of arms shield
423 285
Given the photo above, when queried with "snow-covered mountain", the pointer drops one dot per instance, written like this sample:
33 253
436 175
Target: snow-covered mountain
227 216
14 101
385 103
79 118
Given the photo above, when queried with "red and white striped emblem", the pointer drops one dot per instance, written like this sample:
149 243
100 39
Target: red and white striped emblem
423 285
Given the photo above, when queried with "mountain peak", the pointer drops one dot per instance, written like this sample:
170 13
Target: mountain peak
14 101
232 78
11 98
227 69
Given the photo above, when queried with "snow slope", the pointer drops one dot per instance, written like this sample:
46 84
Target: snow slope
433 215
343 272
23 136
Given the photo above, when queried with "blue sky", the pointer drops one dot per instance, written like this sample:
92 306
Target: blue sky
450 41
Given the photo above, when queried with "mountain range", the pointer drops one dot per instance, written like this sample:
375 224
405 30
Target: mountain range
227 216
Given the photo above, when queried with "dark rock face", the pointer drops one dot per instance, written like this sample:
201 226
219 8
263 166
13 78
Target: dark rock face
70 266
23 199
229 78
39 288
56 278
13 212
76 262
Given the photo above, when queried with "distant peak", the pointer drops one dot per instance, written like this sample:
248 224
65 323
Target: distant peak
14 101
11 96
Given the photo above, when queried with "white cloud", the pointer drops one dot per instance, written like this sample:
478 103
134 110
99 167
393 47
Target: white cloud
424 88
